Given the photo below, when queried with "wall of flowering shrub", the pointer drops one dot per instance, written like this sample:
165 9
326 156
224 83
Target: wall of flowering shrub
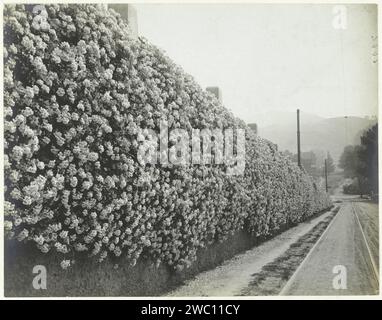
77 88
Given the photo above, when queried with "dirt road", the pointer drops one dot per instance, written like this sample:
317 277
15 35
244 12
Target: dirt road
305 260
235 276
351 244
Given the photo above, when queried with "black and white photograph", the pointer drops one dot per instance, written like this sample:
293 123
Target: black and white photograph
190 150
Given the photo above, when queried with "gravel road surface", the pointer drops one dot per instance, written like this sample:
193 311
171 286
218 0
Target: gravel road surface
351 241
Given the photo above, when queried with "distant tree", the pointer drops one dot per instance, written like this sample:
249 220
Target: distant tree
369 156
289 154
350 161
330 163
253 127
309 162
361 162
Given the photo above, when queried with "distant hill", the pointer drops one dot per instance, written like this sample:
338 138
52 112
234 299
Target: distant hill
317 133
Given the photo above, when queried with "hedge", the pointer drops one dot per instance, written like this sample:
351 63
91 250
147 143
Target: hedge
77 88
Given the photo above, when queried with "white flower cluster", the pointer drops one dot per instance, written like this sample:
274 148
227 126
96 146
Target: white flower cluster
77 88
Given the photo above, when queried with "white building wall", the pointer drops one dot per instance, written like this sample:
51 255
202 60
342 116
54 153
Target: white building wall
128 13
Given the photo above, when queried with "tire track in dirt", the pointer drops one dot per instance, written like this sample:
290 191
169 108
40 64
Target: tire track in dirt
273 276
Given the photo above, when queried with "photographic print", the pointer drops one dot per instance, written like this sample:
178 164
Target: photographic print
190 150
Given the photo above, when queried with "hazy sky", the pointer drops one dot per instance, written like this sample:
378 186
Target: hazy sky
272 58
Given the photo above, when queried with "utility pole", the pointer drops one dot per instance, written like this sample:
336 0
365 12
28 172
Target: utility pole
346 130
298 139
326 175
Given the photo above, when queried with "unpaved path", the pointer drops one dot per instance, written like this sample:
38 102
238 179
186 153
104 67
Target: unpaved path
235 275
302 260
351 242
